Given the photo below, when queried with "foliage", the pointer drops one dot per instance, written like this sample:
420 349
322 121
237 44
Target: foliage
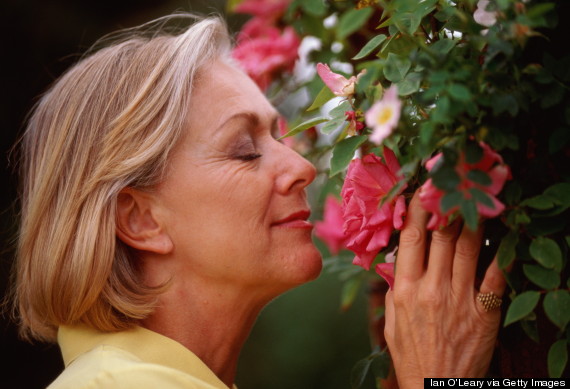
463 86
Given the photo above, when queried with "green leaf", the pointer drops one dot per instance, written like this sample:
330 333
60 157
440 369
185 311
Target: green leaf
370 46
538 202
349 292
332 125
544 278
443 46
441 112
343 153
557 307
546 252
381 365
407 22
304 126
470 215
352 20
410 84
506 252
451 200
479 177
459 92
482 197
396 67
314 7
323 97
531 329
338 111
358 373
473 152
521 306
557 358
559 193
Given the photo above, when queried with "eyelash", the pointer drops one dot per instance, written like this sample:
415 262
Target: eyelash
248 157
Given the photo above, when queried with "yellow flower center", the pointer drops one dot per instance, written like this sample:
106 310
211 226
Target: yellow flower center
385 115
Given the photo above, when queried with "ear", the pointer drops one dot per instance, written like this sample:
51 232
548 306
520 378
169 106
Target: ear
138 225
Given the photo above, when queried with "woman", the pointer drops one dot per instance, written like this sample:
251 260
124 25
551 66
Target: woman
160 214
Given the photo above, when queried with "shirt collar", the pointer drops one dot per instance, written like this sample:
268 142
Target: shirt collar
147 345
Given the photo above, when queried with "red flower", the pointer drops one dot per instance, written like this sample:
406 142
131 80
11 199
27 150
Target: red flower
490 163
354 125
264 51
270 10
367 224
330 229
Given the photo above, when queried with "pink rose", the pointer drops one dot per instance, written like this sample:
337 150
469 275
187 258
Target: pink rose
270 10
330 229
264 51
337 83
491 163
367 224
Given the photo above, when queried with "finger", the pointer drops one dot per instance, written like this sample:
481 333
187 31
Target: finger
465 260
494 280
411 251
495 283
389 316
441 252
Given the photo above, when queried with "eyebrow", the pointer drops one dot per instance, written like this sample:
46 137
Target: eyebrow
253 120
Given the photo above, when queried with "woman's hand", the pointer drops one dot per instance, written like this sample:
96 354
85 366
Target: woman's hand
434 325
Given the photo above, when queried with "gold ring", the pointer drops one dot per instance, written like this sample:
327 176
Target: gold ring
489 301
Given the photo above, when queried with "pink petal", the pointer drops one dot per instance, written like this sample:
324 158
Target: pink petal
391 161
499 174
364 259
386 271
335 82
399 212
380 239
491 212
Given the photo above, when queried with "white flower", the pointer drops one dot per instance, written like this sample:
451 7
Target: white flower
484 17
384 115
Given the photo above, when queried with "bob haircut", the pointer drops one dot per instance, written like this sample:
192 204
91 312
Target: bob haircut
108 123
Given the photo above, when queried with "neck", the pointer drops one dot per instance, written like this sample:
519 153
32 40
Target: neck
211 319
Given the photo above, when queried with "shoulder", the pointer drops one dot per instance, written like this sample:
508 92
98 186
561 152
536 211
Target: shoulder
111 367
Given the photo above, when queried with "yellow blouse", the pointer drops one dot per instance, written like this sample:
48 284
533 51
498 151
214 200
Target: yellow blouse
137 358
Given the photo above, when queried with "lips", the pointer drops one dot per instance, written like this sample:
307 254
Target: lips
295 220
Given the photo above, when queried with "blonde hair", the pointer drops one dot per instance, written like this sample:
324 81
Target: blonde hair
108 123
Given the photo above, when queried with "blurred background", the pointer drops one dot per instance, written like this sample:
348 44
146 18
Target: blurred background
301 340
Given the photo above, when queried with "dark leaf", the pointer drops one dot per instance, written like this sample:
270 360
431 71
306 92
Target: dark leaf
546 252
544 278
521 306
479 177
506 252
557 307
557 358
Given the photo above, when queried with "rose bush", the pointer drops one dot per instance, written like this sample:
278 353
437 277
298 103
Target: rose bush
472 97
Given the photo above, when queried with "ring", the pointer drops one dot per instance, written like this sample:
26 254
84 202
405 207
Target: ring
489 301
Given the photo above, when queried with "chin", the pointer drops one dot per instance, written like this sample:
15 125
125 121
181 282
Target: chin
308 265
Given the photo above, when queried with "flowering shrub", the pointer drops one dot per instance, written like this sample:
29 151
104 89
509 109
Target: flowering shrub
467 99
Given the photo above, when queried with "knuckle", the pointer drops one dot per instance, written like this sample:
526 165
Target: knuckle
412 235
467 251
443 237
430 298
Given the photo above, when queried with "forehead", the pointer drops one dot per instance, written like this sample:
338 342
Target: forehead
222 91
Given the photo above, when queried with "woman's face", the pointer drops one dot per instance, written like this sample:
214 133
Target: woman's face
234 197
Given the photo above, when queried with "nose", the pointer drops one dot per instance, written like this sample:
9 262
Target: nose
295 173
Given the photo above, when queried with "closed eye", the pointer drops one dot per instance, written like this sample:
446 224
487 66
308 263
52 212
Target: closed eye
248 157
